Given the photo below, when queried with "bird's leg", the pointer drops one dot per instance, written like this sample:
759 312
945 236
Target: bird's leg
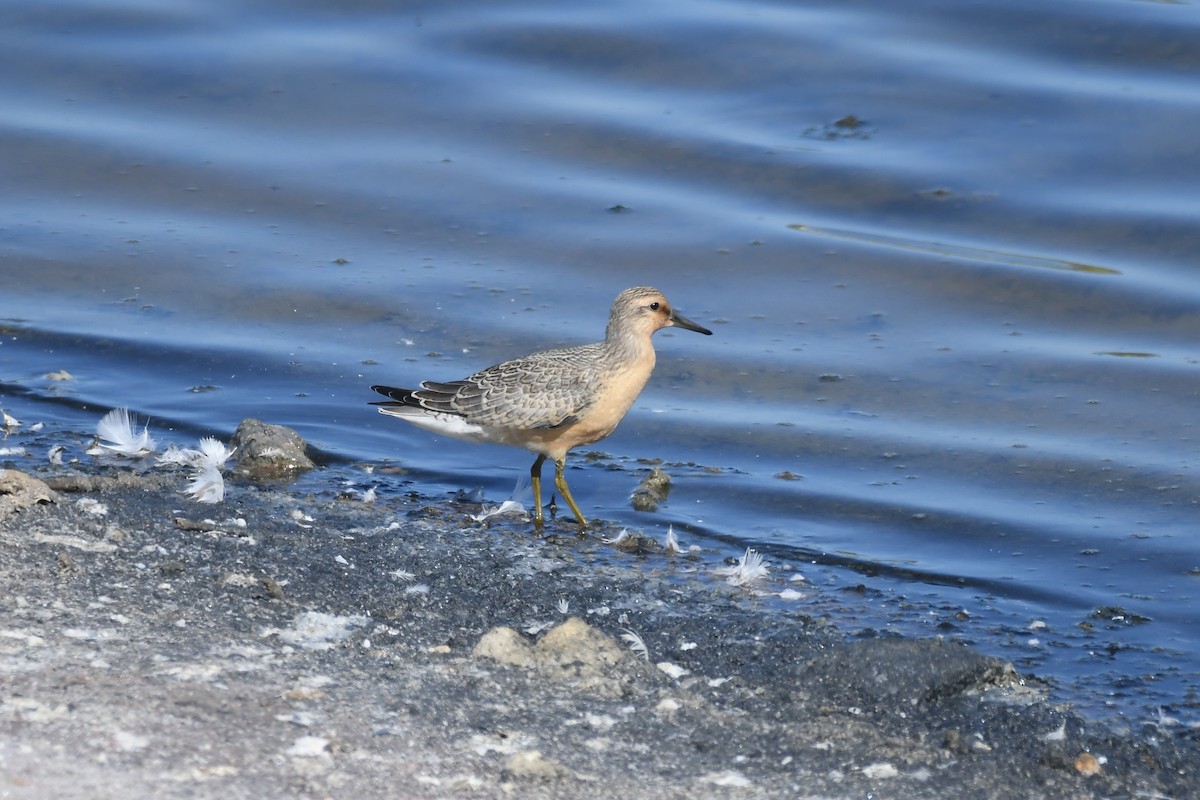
535 477
560 481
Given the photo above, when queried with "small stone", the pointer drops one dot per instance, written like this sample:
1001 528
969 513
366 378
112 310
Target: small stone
92 507
269 451
308 747
880 770
577 653
575 643
316 630
19 491
653 490
729 778
130 742
573 652
672 670
273 588
1087 765
667 705
532 765
66 564
505 646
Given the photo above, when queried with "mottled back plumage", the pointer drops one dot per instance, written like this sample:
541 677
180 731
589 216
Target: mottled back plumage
501 396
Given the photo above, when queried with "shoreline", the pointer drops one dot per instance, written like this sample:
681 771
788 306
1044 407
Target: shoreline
310 646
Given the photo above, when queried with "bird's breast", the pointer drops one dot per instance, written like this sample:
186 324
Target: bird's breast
615 392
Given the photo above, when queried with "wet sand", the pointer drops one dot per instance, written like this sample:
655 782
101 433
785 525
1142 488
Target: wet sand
289 645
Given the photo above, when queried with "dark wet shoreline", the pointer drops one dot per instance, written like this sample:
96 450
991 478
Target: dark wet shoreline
299 645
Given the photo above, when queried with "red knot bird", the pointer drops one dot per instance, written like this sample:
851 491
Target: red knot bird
552 401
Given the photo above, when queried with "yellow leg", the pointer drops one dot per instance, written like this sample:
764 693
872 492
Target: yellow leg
560 481
535 477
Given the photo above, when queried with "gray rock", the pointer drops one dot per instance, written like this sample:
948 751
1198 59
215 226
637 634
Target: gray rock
269 451
893 673
19 491
572 652
653 490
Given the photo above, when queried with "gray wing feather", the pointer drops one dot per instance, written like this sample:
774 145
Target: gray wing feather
544 390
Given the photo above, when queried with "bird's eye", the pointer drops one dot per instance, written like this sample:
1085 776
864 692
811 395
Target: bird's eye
654 306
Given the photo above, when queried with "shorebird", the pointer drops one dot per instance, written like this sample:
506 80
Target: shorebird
552 401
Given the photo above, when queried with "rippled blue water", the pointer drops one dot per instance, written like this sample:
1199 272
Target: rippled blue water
948 251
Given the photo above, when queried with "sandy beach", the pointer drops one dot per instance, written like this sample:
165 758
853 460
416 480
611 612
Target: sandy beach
280 644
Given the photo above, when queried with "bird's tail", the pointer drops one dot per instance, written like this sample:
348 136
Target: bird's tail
396 396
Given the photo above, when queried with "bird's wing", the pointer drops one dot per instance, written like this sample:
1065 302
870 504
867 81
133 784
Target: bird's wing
545 390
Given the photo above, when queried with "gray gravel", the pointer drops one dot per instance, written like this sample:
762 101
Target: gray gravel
298 645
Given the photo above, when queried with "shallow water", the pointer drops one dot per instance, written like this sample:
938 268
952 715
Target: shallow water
948 253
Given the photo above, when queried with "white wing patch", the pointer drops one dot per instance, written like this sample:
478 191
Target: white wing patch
445 424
